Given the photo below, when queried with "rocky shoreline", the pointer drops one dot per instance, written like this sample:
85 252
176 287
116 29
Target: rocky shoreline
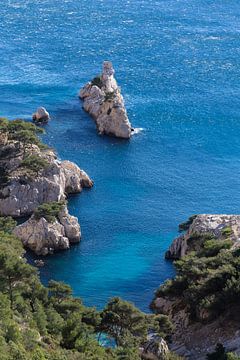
201 301
32 175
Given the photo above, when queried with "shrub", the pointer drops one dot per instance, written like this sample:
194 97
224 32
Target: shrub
49 211
7 224
109 96
213 247
97 81
34 163
227 231
208 278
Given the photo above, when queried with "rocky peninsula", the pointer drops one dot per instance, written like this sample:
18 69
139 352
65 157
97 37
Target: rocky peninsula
31 176
202 300
102 99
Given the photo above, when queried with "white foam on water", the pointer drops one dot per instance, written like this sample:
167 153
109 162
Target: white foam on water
137 130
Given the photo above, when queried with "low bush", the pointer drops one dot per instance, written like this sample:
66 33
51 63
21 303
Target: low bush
50 211
109 96
97 81
35 163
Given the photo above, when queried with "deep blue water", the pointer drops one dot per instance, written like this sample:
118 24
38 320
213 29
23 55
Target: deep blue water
177 62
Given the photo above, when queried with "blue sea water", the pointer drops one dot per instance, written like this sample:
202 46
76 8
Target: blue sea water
178 64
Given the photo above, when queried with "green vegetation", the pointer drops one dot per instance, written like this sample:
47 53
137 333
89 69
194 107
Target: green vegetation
21 131
35 164
50 211
208 279
97 81
39 323
227 231
21 137
7 224
109 96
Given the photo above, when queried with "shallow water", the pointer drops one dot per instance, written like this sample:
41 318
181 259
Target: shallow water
177 63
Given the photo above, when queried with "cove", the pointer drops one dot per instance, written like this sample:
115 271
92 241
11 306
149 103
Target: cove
178 67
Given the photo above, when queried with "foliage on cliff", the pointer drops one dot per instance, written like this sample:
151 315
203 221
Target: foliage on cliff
48 323
20 140
50 211
208 279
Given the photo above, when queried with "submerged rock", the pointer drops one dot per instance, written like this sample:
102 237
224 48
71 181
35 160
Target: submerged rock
102 99
41 115
204 224
39 263
44 237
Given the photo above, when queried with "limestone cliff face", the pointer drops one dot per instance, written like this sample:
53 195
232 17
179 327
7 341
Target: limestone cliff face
102 99
21 194
44 237
204 224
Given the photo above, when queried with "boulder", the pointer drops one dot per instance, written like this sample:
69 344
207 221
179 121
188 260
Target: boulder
102 99
41 115
44 237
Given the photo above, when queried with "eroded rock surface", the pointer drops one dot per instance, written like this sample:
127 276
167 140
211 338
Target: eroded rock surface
198 329
201 225
21 192
102 99
44 237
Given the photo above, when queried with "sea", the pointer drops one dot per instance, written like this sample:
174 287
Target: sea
178 65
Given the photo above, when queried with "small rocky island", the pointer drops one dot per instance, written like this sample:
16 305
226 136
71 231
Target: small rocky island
33 180
102 99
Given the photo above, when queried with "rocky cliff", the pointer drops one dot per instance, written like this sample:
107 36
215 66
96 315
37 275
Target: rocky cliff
31 176
33 181
216 225
43 235
202 300
102 99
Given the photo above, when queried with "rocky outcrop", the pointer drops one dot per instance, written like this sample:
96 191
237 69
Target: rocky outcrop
198 328
155 348
21 192
44 237
102 99
216 225
41 115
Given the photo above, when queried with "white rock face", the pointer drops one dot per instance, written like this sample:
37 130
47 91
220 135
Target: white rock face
41 115
155 348
44 237
205 224
104 102
22 196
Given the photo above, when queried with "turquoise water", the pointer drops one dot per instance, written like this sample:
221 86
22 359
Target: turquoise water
177 63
